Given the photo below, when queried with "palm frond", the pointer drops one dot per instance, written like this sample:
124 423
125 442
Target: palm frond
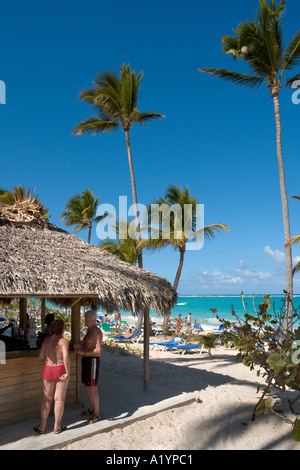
289 82
234 77
80 211
294 240
246 44
259 43
96 125
209 232
108 79
291 55
270 32
125 248
89 95
145 117
108 101
154 244
116 98
296 268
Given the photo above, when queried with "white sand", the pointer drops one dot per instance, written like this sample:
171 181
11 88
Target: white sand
220 419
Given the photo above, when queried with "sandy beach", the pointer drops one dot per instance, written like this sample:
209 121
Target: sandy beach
218 419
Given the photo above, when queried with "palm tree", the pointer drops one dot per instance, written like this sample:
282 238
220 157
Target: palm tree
81 212
177 231
260 44
115 99
124 248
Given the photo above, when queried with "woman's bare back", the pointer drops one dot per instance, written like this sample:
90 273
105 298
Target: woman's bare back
53 350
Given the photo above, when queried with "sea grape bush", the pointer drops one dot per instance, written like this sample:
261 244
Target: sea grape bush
264 345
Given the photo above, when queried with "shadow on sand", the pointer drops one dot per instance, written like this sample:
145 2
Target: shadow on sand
122 395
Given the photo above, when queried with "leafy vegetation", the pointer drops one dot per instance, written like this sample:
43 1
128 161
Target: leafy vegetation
124 248
21 205
81 211
264 344
171 228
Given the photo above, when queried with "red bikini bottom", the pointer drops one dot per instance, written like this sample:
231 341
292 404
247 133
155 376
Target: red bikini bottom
53 373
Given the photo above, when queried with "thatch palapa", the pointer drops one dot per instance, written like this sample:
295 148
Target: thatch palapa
42 260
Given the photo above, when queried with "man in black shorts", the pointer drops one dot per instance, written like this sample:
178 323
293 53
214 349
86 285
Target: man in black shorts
90 349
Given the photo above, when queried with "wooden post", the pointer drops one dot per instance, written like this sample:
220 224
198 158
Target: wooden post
75 321
75 338
146 349
23 315
43 313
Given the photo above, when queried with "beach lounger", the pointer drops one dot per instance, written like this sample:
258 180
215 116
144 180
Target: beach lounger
164 344
187 347
157 331
221 328
133 339
196 328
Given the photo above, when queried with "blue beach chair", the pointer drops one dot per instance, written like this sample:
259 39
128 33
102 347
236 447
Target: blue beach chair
221 328
164 344
187 347
133 339
197 327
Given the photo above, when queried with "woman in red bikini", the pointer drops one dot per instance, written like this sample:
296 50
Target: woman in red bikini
56 374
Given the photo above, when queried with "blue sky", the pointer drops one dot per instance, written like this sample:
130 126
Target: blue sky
217 138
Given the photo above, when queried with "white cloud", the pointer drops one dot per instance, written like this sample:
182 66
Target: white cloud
243 271
279 256
238 276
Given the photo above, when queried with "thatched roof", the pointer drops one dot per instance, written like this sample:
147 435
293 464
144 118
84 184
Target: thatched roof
46 261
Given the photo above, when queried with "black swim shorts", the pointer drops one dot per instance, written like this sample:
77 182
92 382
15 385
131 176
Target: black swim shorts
90 371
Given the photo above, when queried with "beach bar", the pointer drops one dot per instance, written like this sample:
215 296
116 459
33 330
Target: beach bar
42 261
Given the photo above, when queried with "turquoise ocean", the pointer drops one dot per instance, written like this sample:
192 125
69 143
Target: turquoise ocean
199 306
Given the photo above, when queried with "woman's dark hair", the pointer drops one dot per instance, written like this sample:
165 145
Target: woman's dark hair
49 318
57 327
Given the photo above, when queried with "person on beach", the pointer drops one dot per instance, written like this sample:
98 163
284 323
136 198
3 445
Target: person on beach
117 318
189 319
90 349
124 335
49 318
56 374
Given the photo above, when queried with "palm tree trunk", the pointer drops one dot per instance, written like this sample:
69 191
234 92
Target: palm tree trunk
176 282
89 235
136 215
134 198
178 274
285 211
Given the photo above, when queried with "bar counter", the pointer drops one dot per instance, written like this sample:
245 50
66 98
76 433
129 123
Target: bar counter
21 386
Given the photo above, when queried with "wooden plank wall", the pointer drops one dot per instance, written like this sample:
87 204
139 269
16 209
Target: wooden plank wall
21 388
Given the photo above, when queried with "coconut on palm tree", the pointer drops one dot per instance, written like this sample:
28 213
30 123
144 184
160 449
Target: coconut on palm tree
176 225
259 43
115 100
81 212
